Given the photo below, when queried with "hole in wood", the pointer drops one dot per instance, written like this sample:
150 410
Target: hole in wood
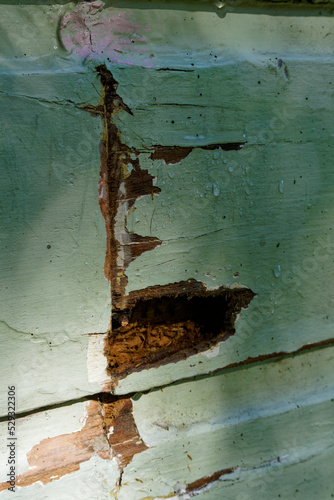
164 324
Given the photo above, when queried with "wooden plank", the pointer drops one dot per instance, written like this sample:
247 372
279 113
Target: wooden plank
53 241
182 86
87 478
53 233
267 423
247 217
248 424
306 479
259 203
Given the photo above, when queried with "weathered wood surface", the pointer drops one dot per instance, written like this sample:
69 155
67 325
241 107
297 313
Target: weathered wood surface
254 210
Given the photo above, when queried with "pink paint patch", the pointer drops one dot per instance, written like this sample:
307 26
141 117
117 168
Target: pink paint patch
96 33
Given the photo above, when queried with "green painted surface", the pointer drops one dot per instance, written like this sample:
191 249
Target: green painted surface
246 418
219 213
261 216
306 480
53 235
53 290
271 422
46 369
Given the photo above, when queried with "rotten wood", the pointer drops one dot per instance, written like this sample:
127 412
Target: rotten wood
184 318
163 324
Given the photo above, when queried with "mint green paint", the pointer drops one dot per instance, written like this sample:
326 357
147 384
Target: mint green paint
261 216
275 191
242 418
307 480
245 418
50 197
46 369
29 38
51 298
44 424
96 478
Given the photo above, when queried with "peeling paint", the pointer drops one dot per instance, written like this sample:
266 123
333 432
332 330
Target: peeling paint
122 182
109 431
55 457
174 154
184 325
197 487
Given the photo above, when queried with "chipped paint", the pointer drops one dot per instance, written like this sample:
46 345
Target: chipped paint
122 431
136 343
227 219
55 457
197 487
96 360
109 431
174 154
122 181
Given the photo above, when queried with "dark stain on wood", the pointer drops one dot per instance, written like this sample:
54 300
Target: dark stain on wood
207 480
174 154
163 324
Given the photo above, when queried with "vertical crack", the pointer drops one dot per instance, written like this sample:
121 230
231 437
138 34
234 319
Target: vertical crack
122 181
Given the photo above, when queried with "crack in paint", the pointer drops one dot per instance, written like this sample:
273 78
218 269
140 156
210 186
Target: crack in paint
197 487
272 357
137 343
119 189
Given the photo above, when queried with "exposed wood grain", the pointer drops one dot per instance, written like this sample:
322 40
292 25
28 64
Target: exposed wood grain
109 431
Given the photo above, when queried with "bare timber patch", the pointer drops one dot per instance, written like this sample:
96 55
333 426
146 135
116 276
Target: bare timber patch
109 431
